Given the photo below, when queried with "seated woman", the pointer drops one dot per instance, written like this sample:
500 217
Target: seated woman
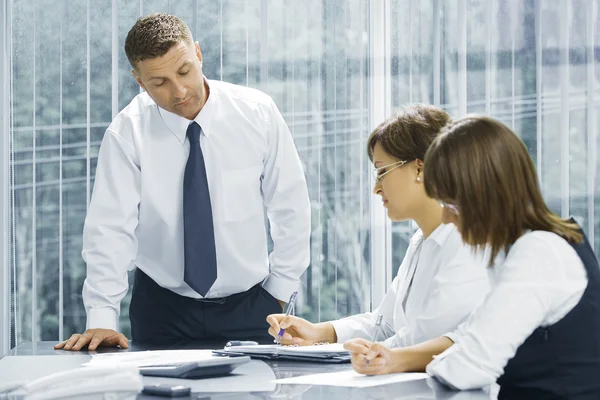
538 331
440 280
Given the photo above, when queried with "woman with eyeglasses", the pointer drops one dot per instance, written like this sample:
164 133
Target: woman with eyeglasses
537 334
440 280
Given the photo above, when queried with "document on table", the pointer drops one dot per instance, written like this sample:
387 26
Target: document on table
351 378
151 357
315 350
326 353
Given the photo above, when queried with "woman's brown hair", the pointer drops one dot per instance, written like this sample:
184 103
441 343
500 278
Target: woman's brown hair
408 133
481 166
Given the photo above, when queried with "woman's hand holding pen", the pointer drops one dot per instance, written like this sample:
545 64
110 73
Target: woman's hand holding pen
299 331
372 358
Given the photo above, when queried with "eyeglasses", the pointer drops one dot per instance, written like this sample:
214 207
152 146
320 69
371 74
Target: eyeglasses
377 176
449 206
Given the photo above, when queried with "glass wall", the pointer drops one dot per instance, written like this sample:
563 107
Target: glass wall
534 64
70 76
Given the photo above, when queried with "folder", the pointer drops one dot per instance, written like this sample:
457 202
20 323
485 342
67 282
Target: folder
322 353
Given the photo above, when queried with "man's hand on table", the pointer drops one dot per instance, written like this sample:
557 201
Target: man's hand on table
94 338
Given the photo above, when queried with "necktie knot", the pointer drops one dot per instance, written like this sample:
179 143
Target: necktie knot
193 132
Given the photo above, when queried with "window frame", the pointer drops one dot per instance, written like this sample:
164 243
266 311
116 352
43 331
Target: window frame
4 168
379 109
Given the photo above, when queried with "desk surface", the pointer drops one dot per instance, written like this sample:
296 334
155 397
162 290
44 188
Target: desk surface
25 362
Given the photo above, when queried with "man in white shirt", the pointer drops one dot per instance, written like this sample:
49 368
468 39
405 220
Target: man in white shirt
185 173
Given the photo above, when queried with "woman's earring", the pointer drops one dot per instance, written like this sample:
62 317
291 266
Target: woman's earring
419 179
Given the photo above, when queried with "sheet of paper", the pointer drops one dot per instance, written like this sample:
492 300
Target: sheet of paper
350 378
143 358
319 349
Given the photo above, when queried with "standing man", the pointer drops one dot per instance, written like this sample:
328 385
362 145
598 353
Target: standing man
185 173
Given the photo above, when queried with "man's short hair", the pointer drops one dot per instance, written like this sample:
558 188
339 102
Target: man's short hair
153 36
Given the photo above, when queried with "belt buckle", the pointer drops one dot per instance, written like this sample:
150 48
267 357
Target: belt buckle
214 300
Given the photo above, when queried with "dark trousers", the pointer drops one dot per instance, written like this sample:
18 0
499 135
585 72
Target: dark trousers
160 316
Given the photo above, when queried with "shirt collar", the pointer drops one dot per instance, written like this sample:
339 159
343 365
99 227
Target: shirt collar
441 233
178 125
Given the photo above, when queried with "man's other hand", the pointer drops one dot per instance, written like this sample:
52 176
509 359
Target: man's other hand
94 338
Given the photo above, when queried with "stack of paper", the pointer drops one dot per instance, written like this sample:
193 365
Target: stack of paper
318 351
325 350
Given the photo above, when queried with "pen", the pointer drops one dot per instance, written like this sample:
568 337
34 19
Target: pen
376 330
290 307
377 325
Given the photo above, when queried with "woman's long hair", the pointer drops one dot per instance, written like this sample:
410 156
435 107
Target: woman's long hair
481 166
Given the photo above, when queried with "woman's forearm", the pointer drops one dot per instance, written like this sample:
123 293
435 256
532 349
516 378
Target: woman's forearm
415 358
326 332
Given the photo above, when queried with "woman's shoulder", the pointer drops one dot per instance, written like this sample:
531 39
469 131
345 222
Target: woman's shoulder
543 251
542 241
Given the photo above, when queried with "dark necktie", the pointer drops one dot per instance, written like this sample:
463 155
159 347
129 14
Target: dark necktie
198 232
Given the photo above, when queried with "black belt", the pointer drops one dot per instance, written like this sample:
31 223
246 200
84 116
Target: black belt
222 300
214 300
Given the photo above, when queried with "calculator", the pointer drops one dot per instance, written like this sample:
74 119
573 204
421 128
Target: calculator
218 366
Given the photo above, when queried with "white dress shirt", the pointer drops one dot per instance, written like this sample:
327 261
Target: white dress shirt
135 218
539 282
450 280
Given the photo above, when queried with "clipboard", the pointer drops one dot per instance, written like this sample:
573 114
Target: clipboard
321 353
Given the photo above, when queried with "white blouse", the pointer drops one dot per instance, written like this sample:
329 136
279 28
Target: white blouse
539 282
448 281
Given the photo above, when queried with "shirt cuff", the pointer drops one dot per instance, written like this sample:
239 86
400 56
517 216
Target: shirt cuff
343 330
102 318
280 288
437 369
455 337
391 342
